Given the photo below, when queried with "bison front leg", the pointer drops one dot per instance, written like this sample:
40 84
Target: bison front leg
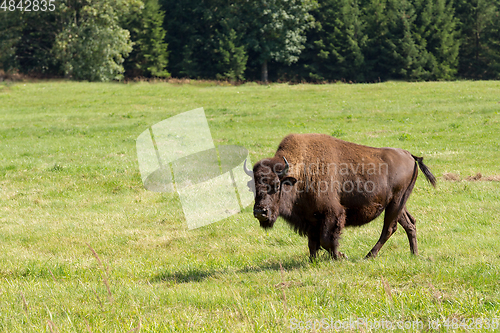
330 235
314 244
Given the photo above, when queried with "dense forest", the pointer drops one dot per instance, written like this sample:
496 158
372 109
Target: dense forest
287 40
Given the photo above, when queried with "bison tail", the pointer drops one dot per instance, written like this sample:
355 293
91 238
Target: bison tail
428 174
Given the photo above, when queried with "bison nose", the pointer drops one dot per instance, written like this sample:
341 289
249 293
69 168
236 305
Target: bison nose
260 213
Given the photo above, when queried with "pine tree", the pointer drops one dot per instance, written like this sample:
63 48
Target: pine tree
231 54
185 35
392 51
149 56
401 44
435 30
479 51
338 42
493 46
377 59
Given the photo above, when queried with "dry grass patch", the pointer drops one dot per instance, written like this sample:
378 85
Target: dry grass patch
453 177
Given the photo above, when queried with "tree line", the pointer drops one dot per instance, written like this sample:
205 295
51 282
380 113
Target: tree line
290 40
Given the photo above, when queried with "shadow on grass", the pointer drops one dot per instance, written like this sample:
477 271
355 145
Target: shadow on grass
186 276
199 274
288 264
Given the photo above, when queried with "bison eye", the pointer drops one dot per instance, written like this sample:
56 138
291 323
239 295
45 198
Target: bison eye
270 189
263 181
273 188
270 186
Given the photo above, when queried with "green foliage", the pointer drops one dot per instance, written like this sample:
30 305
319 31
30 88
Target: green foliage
377 28
276 29
232 59
149 56
435 31
392 51
383 39
314 40
92 46
26 41
480 35
205 39
10 34
215 38
401 49
338 41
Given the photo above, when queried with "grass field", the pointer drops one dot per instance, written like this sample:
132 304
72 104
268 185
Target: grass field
85 248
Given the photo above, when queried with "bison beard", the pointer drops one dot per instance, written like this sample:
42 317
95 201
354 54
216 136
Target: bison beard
319 185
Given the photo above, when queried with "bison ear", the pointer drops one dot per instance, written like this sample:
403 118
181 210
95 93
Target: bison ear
289 181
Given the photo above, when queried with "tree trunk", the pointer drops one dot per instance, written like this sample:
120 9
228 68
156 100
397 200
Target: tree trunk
264 71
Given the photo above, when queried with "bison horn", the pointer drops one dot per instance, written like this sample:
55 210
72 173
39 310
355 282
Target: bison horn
247 171
285 170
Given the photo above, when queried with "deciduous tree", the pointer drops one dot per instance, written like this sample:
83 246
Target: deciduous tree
276 29
91 44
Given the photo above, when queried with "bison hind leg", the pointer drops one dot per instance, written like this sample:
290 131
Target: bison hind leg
408 223
391 218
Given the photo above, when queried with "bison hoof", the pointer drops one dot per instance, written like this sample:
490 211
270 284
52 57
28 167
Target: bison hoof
340 256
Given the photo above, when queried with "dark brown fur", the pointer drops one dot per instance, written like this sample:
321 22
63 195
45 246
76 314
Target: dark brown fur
332 184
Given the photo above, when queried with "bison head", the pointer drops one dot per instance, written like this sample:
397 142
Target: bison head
270 176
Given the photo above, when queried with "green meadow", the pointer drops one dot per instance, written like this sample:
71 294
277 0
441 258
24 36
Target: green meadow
85 248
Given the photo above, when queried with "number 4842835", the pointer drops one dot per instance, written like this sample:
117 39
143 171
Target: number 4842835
28 5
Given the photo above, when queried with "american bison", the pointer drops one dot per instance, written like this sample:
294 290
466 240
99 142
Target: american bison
320 184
